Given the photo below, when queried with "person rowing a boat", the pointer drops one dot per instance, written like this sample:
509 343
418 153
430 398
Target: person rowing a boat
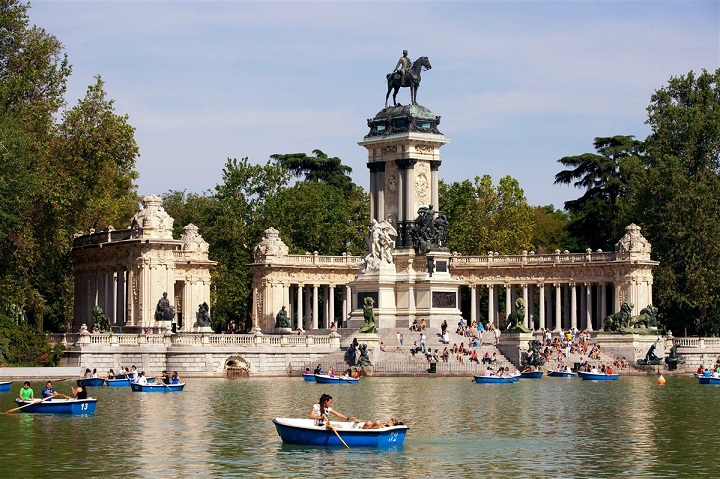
26 392
320 411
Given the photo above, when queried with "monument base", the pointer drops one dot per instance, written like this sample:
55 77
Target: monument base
282 331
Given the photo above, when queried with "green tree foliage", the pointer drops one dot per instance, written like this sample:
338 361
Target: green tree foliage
595 216
485 218
550 231
319 168
234 226
678 199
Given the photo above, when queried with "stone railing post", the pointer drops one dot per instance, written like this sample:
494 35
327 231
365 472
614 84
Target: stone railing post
335 340
114 340
259 338
204 339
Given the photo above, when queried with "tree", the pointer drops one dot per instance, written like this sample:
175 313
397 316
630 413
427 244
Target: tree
234 225
677 198
318 168
484 218
550 232
604 176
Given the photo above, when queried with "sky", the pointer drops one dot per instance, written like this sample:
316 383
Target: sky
518 84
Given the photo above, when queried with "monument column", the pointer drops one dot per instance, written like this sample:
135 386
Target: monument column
527 305
573 306
588 309
541 304
331 305
603 306
508 300
558 307
434 167
315 311
491 304
299 305
473 303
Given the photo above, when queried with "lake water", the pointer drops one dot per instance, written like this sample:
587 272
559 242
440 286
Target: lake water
546 428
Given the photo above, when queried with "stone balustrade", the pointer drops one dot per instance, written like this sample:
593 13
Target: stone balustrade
195 339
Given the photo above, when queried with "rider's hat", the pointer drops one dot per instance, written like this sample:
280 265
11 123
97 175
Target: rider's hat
404 52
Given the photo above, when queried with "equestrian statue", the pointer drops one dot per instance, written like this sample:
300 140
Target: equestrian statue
406 75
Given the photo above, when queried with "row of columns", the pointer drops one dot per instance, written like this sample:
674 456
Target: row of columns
556 312
106 288
303 302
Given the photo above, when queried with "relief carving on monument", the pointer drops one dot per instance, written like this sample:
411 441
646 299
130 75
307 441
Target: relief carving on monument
385 150
422 183
423 148
391 184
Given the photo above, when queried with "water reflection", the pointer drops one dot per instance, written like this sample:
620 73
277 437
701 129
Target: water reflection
458 429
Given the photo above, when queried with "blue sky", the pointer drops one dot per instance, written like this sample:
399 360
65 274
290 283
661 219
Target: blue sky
518 84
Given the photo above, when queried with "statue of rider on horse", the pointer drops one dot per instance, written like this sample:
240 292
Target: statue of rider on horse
406 75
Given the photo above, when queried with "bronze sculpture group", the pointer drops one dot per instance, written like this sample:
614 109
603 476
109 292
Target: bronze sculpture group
624 322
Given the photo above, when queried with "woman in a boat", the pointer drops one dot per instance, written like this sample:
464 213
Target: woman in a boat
320 411
379 425
175 378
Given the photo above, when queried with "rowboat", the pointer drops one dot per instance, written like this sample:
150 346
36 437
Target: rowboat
495 379
714 380
304 431
598 376
58 406
561 374
161 387
531 374
5 386
309 377
118 382
91 382
325 379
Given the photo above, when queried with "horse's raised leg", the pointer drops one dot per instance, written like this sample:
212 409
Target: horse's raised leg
387 95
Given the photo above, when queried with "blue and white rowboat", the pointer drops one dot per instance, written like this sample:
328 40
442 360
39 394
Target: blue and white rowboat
325 379
5 386
531 374
309 377
91 382
58 406
496 379
159 388
118 382
598 376
709 380
561 374
304 431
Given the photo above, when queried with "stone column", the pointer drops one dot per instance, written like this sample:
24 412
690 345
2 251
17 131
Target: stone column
380 187
491 304
603 306
120 298
434 167
373 188
473 303
308 320
409 190
566 308
527 305
331 299
299 307
573 306
588 310
508 300
541 304
495 312
558 307
583 305
315 306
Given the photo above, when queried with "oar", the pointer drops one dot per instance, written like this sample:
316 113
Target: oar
163 383
338 435
34 402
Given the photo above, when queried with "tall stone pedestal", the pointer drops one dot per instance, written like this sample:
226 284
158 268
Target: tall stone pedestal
514 346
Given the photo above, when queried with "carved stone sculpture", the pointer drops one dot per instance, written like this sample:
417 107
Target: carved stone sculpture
381 242
203 315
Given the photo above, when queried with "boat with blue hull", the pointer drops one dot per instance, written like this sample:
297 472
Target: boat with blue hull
5 386
712 380
326 379
531 374
496 379
305 432
58 406
561 374
91 382
118 382
158 388
309 377
598 376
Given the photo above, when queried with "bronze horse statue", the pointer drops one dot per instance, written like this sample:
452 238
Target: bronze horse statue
411 79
